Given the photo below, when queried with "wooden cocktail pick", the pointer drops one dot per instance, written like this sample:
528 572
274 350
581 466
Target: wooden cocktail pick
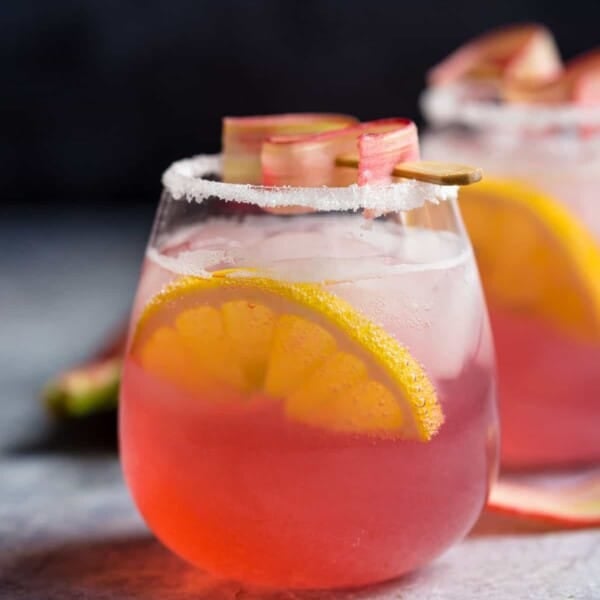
425 170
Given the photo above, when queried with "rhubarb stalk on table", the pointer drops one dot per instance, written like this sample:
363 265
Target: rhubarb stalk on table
91 387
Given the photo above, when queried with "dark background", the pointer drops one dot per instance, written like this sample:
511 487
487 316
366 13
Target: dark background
99 96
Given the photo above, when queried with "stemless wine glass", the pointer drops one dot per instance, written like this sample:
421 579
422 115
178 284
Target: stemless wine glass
539 259
308 396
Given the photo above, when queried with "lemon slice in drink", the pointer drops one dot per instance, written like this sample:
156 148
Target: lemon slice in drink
535 257
292 342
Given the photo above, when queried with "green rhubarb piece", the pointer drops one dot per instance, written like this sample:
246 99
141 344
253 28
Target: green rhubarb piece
85 390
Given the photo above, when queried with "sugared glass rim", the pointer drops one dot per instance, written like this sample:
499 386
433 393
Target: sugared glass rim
185 179
445 105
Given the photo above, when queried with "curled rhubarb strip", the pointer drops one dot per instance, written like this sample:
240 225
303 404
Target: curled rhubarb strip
521 52
380 149
571 500
243 137
583 78
310 160
579 83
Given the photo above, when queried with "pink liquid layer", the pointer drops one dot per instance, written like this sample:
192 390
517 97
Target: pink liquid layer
549 394
248 494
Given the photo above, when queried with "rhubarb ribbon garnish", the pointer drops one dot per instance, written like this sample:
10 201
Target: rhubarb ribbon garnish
243 137
309 160
523 52
578 83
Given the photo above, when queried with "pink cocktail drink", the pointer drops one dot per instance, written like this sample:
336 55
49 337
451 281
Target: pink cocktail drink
532 123
308 394
249 495
545 312
551 385
238 485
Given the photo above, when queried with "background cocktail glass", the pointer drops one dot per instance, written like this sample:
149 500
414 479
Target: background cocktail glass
544 311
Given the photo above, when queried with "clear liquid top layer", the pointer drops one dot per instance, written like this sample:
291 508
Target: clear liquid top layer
310 248
421 285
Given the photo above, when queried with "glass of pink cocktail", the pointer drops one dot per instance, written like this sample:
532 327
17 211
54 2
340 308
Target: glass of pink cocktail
308 396
506 100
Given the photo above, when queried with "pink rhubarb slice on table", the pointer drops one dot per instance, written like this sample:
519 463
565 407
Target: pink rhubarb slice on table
243 137
567 500
521 52
309 160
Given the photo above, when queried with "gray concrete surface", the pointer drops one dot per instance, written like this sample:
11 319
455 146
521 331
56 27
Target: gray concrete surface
68 529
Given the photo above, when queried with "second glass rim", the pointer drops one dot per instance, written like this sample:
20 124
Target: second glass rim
447 105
